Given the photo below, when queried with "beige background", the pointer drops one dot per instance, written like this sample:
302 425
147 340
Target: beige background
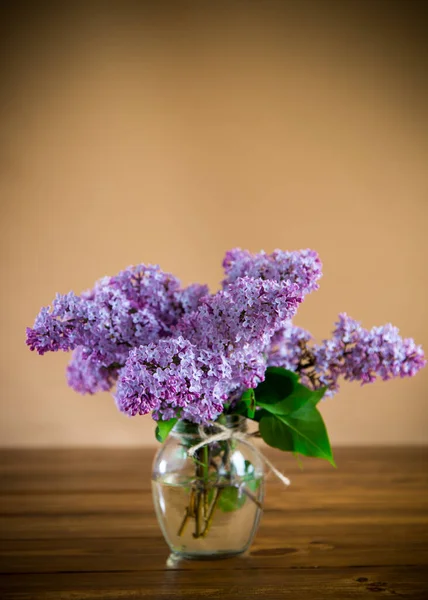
172 135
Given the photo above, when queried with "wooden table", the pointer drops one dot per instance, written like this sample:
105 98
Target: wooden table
79 524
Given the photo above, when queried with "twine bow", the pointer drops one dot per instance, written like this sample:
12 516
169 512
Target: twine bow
227 433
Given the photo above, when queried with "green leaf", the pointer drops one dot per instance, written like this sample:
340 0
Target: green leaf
284 373
317 395
288 417
230 499
276 433
300 397
278 384
163 428
259 414
250 480
247 404
303 431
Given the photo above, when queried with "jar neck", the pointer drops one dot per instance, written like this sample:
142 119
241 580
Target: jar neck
232 422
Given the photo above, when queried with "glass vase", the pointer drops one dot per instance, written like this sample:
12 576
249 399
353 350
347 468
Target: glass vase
208 504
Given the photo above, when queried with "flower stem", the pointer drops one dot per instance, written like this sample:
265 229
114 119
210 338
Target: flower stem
206 466
184 522
198 507
205 462
192 503
212 510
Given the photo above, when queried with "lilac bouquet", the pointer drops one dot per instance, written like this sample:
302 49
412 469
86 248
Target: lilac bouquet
183 354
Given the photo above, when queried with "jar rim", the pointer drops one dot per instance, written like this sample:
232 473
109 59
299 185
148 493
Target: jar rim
187 428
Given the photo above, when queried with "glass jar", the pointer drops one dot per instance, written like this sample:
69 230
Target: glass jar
208 504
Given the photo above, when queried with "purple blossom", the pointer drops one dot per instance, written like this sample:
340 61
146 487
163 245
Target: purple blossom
138 306
287 345
64 327
358 354
185 353
219 349
176 378
173 377
302 267
354 353
247 311
87 376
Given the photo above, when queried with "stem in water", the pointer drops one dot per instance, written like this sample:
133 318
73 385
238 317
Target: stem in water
212 510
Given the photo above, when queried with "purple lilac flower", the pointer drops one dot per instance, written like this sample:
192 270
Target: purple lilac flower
219 348
171 377
302 267
247 311
64 327
138 306
286 346
358 354
354 353
87 376
176 378
181 352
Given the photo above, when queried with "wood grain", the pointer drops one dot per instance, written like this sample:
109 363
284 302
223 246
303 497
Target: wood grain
80 524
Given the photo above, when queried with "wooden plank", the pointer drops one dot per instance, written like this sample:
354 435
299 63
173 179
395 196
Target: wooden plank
295 550
137 502
381 459
138 524
43 471
208 583
80 524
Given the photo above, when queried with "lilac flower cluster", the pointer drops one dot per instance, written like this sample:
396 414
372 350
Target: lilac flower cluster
354 353
87 376
173 377
287 345
138 306
302 267
181 352
219 348
249 311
